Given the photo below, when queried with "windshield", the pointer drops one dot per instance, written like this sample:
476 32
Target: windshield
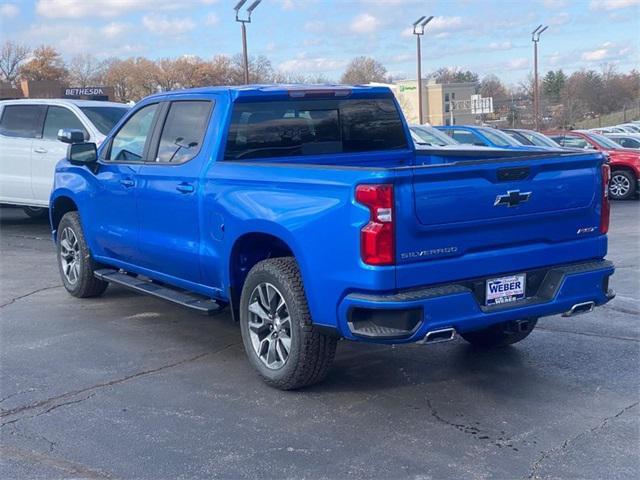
540 139
427 135
104 118
499 138
603 141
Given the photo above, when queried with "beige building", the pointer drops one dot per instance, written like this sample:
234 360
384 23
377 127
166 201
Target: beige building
436 101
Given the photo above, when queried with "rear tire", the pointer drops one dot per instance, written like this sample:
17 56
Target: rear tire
622 185
36 212
279 337
75 262
501 334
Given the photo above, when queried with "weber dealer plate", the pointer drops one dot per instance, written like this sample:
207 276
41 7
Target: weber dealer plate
503 290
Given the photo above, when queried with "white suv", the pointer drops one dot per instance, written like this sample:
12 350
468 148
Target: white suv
29 146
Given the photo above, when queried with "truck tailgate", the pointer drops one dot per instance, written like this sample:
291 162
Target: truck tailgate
494 211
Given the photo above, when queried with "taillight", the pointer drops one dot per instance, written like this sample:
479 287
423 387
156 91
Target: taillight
377 243
605 208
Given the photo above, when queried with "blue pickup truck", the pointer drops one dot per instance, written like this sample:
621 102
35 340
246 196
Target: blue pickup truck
308 212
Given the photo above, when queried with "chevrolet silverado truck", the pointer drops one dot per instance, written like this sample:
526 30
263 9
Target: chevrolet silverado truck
308 212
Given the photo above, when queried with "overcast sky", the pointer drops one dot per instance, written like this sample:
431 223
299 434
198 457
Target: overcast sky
321 36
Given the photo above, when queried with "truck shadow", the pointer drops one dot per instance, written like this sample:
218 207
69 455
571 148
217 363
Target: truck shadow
386 368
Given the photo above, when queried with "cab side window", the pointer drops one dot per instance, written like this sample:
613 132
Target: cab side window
59 118
183 131
22 121
128 144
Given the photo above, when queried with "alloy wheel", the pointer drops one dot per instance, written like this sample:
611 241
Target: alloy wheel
619 186
269 326
70 255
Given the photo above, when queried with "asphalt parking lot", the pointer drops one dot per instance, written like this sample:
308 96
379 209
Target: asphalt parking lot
131 387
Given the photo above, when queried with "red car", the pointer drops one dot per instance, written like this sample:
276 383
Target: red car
625 162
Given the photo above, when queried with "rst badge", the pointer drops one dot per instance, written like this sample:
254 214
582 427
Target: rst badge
505 289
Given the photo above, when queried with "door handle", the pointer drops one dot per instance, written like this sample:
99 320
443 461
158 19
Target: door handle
40 150
185 188
127 182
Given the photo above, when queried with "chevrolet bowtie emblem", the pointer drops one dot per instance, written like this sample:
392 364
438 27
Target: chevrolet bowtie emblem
512 198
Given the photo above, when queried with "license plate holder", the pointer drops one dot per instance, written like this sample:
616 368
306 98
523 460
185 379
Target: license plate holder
507 289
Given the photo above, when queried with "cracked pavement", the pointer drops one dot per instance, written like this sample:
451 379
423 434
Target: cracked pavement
130 387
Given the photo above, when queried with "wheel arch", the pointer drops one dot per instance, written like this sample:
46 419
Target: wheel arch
247 250
60 206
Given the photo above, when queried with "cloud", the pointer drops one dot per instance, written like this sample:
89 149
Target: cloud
440 24
104 8
115 29
364 23
304 64
595 55
442 27
9 10
164 25
612 4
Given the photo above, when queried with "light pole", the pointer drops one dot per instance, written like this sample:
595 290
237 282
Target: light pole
418 31
243 21
535 38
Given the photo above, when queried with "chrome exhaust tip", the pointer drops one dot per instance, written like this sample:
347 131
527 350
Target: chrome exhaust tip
578 308
440 335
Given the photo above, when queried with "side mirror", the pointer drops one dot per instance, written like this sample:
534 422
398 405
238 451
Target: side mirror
71 135
82 153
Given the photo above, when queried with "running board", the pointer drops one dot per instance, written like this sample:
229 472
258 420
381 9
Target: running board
175 295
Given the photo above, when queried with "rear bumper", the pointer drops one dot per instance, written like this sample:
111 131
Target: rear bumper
407 316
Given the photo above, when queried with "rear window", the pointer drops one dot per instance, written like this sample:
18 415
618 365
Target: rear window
22 121
104 118
313 127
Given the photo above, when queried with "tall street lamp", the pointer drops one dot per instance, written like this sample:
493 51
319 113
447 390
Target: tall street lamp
418 31
535 38
243 21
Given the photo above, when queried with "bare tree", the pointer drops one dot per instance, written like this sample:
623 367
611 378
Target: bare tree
364 70
86 70
11 57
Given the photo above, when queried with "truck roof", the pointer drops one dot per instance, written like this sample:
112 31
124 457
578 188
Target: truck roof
63 101
288 90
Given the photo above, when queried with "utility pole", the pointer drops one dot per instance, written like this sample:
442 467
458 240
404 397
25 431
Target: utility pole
535 38
418 31
243 21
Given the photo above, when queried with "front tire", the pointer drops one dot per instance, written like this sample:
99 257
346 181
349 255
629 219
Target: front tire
500 334
622 185
36 212
75 262
277 332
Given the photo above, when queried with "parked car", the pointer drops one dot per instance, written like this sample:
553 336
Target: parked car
625 140
531 137
625 162
429 136
485 136
30 147
307 212
629 127
602 130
